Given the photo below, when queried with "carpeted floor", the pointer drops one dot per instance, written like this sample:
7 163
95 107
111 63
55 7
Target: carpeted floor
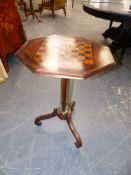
102 114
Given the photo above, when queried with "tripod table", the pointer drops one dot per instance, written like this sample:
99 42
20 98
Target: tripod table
67 58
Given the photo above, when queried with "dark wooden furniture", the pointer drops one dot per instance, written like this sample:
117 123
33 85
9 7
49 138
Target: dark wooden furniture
12 35
30 10
53 5
113 10
68 59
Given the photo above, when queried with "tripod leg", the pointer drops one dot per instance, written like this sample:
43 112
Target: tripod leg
44 117
37 17
27 15
78 142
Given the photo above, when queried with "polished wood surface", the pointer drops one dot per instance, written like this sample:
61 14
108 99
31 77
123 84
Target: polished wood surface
65 57
115 10
11 31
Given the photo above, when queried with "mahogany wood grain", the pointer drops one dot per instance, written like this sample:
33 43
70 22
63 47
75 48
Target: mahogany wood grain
66 58
60 62
12 35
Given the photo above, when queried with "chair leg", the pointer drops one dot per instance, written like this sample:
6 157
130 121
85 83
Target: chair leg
40 9
25 9
53 13
64 11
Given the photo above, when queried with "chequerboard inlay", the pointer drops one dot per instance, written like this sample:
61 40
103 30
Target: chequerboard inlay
65 57
77 48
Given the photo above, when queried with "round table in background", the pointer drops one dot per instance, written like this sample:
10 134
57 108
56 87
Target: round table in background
113 10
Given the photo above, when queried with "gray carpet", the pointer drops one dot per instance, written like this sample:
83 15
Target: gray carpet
102 114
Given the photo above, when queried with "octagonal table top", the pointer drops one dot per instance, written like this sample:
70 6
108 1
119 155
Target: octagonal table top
65 57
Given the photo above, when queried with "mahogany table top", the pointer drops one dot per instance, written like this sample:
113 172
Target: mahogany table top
65 57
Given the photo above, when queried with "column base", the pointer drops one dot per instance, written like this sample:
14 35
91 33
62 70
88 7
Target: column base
63 116
33 16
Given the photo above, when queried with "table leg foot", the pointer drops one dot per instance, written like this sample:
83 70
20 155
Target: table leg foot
44 117
37 18
78 142
33 16
67 116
